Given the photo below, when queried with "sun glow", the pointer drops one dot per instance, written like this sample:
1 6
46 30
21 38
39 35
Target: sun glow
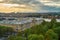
1 0
8 5
4 7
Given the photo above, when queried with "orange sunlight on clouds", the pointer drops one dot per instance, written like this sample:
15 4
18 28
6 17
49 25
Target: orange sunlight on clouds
15 8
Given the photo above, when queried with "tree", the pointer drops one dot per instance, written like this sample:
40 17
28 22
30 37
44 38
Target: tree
41 37
53 23
16 38
57 30
5 31
11 38
53 20
19 38
44 22
33 37
51 35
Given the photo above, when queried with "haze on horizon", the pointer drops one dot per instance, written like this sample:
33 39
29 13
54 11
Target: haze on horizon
29 6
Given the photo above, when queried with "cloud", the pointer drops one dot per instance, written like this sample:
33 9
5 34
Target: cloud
33 4
15 9
50 2
50 5
36 5
4 7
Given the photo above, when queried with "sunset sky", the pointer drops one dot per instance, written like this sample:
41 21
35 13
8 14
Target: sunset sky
29 6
